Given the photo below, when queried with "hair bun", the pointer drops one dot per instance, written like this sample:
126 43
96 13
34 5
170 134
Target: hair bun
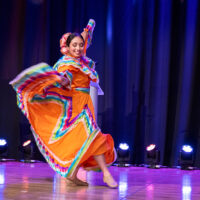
63 44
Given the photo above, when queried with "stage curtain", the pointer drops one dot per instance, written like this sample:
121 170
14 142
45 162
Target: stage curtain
147 56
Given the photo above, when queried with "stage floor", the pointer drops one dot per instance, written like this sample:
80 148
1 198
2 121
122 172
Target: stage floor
39 181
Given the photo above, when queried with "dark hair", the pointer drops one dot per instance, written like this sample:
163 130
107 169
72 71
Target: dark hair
72 36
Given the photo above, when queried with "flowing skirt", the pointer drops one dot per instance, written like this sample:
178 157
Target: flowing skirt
62 121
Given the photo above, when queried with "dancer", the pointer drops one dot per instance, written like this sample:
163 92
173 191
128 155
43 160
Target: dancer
60 110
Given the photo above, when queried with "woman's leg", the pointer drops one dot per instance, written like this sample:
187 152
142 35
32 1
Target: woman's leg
74 175
100 159
107 177
75 180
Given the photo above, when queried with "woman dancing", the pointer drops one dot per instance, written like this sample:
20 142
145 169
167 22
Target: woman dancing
57 103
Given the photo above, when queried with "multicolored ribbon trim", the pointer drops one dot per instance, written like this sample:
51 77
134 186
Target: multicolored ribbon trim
85 64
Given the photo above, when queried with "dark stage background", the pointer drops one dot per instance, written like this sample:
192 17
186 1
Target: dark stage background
147 54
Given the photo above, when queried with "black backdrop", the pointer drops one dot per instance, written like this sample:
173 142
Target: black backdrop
147 58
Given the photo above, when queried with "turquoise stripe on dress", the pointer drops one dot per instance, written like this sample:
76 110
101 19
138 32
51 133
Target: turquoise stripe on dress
85 90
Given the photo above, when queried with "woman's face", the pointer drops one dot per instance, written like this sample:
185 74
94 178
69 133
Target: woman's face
76 47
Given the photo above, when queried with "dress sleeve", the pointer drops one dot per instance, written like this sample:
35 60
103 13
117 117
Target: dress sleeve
66 71
88 33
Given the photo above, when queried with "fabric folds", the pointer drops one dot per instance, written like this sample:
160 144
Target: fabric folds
62 119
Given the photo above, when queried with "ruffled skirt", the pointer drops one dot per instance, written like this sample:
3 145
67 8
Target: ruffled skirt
62 121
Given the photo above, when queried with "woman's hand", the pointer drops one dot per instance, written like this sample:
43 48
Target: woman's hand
64 81
84 34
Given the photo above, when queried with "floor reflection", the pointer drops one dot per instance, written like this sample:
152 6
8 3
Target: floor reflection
186 187
2 180
123 186
150 191
25 184
19 181
2 176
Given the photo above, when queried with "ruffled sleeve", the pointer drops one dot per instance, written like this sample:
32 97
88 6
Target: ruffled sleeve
64 70
87 34
67 64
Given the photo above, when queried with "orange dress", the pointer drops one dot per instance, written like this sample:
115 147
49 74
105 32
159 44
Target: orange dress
62 119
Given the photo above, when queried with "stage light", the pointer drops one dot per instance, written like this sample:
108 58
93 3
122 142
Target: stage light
26 143
3 142
3 149
187 148
153 156
27 150
123 155
186 158
123 146
151 147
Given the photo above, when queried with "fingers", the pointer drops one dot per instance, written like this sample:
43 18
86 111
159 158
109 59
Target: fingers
64 81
